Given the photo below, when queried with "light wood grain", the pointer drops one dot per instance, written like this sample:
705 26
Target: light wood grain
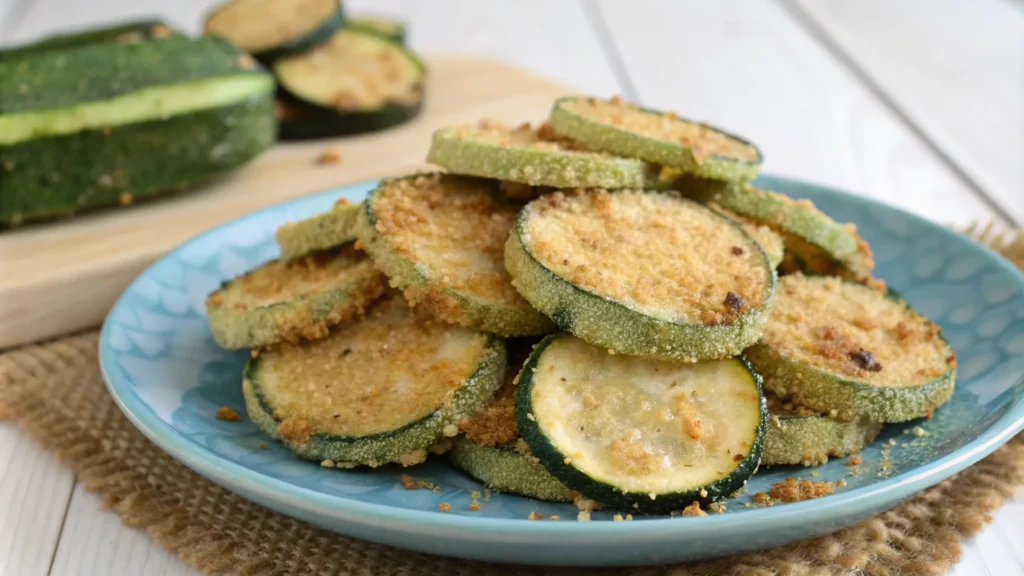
78 267
750 68
954 68
96 543
34 492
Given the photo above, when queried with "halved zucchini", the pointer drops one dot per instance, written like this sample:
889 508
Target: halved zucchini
354 82
638 434
663 138
385 27
642 273
321 232
115 123
383 389
272 29
797 435
439 238
815 243
286 301
836 345
532 157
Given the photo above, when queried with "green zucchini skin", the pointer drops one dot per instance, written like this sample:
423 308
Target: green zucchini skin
614 140
811 440
504 469
126 32
56 80
306 121
555 462
609 324
385 447
63 175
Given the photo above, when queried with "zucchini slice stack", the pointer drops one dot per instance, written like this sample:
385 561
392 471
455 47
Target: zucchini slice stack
629 242
111 123
335 76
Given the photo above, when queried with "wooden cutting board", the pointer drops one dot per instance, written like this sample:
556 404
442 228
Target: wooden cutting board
60 277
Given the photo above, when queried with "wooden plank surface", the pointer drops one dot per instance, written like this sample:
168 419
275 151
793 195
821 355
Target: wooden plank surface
34 492
750 68
955 69
574 44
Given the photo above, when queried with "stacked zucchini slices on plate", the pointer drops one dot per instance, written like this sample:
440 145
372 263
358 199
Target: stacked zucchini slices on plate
601 309
335 76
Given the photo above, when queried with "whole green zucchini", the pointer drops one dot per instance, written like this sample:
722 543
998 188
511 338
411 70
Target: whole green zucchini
114 123
133 31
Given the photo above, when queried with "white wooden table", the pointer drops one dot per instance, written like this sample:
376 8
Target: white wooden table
917 103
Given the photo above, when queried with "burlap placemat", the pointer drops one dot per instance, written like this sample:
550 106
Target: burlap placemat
54 391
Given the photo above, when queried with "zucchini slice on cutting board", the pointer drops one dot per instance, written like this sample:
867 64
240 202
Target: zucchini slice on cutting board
354 82
797 435
840 347
535 157
272 29
382 389
321 232
286 301
642 273
128 32
639 434
439 238
662 138
109 124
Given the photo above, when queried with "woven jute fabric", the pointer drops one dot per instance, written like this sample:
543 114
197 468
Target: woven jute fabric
54 391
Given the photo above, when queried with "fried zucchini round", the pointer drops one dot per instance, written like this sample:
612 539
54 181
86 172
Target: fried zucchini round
288 301
837 345
642 273
382 389
439 238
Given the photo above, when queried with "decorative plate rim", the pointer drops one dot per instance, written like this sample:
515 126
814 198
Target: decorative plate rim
244 481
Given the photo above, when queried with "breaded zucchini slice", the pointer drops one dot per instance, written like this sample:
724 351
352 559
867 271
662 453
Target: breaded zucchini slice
382 389
439 238
272 29
286 301
797 435
814 242
532 157
663 138
636 434
321 232
642 273
491 451
836 345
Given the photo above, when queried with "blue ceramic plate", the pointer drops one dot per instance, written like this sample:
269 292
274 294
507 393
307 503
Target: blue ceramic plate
169 377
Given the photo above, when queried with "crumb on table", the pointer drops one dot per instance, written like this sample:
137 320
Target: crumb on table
329 156
694 510
444 507
853 460
227 413
535 516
